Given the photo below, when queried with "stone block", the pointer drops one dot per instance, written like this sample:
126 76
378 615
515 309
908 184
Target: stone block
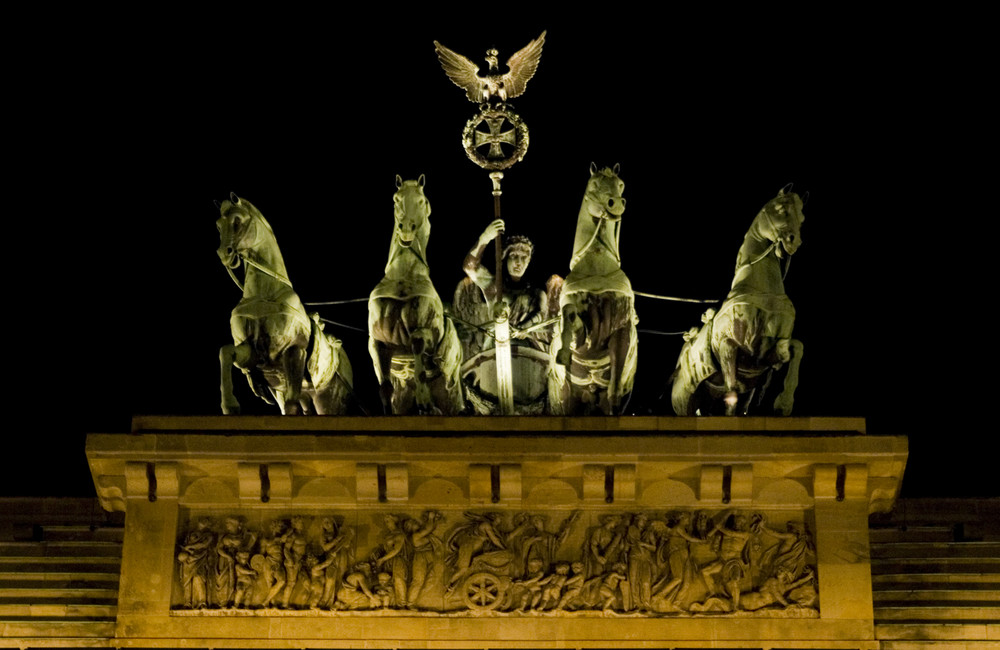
710 484
397 483
624 483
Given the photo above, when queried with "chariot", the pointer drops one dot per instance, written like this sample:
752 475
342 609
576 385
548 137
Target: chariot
486 585
529 368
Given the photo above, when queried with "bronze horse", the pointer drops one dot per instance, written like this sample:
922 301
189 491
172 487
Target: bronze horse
595 344
414 348
285 354
731 357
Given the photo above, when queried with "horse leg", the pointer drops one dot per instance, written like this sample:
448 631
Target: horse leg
227 355
727 361
294 366
618 346
789 351
570 324
422 342
341 386
381 360
240 357
570 394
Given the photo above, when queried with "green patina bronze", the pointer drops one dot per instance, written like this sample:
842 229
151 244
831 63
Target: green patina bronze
730 359
594 347
271 330
415 349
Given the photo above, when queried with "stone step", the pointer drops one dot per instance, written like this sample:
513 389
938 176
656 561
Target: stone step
984 596
911 534
886 580
57 611
937 631
948 644
52 549
11 578
59 584
926 614
923 550
935 565
70 633
25 593
74 533
46 564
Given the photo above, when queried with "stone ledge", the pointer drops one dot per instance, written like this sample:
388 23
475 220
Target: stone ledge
510 424
798 468
492 632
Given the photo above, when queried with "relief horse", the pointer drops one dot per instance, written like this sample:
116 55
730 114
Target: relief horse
285 354
731 357
415 349
595 344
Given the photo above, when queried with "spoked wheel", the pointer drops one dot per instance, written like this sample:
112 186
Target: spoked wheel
483 591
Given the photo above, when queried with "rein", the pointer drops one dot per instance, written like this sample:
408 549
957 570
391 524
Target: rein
516 334
260 267
674 298
265 270
604 216
787 264
770 222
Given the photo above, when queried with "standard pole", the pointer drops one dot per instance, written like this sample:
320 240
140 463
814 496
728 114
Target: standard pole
505 371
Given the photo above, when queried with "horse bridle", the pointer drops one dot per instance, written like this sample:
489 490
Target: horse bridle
604 216
257 265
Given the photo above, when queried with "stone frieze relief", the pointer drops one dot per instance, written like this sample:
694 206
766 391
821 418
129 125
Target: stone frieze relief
643 563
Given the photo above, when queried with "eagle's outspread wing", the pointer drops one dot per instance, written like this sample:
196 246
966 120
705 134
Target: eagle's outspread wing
523 65
463 72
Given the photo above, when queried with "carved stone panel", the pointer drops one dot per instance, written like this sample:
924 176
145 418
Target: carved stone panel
646 563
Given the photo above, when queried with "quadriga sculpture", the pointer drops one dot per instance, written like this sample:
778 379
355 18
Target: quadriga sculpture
594 346
415 349
271 330
731 358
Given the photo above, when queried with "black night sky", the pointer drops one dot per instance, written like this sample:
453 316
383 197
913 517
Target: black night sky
122 143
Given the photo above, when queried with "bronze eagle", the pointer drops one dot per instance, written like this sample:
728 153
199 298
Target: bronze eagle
465 74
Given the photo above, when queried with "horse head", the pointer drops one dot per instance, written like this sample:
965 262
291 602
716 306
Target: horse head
780 221
238 229
412 211
599 220
604 193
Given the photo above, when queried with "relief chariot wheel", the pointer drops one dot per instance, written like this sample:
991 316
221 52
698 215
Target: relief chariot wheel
484 591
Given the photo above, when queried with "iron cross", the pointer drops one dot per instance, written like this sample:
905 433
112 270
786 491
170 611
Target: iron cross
495 137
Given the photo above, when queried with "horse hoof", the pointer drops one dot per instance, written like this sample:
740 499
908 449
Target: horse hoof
230 409
731 400
783 407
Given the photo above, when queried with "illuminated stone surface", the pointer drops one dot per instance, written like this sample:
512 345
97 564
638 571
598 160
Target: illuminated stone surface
438 489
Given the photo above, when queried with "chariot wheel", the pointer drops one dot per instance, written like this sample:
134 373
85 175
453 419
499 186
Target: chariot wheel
483 591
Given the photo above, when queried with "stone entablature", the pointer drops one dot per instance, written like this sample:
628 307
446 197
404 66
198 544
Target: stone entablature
357 486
